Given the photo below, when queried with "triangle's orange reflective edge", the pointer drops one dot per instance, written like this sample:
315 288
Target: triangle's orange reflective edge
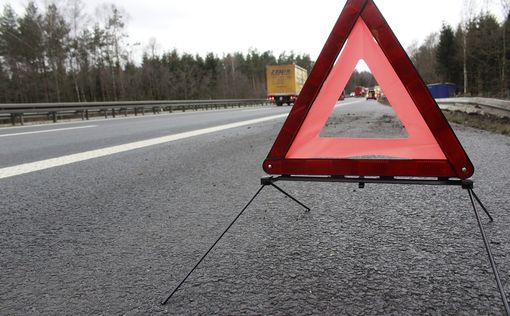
456 164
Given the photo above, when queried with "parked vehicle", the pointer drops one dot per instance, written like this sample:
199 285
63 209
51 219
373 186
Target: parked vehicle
284 83
371 95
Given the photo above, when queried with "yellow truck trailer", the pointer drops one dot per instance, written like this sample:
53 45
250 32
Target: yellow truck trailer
284 82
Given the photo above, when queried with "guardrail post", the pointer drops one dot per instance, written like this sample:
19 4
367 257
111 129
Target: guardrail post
21 119
136 111
169 109
54 116
13 119
113 112
87 115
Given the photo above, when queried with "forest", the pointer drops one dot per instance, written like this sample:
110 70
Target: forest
50 55
475 54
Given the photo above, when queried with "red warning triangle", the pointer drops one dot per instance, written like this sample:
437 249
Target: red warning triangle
431 148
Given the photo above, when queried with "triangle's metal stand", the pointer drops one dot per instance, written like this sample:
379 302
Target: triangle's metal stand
361 181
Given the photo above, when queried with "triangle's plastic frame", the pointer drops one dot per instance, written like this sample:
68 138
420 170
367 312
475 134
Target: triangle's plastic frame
454 162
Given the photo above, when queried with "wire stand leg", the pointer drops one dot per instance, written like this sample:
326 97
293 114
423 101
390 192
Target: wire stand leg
483 206
489 253
290 196
217 240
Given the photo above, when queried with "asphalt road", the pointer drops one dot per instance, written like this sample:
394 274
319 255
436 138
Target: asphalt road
19 145
115 233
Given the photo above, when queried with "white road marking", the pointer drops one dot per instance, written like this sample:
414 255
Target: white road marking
342 103
68 159
253 110
48 131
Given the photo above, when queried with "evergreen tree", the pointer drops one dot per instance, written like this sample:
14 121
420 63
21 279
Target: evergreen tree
32 56
448 67
484 55
10 46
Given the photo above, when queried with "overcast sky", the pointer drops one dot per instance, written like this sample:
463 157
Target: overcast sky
223 26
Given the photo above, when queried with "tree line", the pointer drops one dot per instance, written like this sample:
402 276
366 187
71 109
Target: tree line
474 55
52 55
55 55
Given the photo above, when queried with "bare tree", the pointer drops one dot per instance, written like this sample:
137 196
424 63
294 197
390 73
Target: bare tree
113 19
468 11
505 6
424 58
56 32
152 48
77 20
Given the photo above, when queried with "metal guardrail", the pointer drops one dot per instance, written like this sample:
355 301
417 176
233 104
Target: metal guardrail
476 105
16 112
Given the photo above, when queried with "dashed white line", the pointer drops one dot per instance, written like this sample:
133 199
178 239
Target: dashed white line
69 159
47 131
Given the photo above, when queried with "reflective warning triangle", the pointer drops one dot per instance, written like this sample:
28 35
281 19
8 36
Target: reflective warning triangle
431 148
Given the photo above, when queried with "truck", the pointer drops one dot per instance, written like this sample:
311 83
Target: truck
360 91
284 83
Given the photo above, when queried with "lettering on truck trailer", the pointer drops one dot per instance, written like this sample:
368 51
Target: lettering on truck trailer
281 72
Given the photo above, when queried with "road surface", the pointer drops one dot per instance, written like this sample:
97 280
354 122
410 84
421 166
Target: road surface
106 216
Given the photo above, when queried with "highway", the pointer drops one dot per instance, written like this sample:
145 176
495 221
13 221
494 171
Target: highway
28 144
106 217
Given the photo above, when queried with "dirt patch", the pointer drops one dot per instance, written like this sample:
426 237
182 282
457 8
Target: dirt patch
488 122
384 126
491 123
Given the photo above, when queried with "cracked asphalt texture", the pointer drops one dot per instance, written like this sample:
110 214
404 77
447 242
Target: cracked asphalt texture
115 235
